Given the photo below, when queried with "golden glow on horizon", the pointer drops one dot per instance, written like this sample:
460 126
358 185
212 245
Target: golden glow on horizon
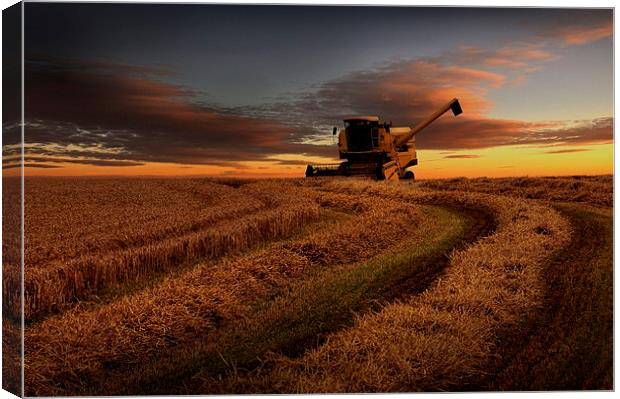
491 162
517 161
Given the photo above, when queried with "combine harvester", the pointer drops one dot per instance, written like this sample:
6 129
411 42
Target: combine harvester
376 149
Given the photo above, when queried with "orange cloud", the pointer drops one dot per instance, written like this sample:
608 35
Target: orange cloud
516 56
470 75
588 28
403 92
516 60
576 35
406 92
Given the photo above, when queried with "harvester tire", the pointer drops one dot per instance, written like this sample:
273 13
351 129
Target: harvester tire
409 175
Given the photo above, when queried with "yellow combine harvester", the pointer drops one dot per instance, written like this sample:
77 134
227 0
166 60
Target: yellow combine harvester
376 149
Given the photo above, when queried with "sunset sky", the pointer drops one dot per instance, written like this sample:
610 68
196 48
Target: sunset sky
254 91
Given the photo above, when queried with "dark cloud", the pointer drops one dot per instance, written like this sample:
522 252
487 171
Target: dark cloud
59 64
11 135
31 165
468 133
567 151
95 162
292 162
47 160
463 156
128 115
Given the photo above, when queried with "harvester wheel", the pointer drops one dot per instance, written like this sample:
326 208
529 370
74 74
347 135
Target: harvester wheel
409 175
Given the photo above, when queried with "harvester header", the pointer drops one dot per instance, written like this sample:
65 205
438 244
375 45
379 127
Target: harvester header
376 149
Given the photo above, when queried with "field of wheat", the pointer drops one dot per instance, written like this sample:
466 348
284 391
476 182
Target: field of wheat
203 286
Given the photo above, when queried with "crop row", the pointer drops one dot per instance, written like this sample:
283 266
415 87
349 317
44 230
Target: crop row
442 339
55 286
66 218
91 346
590 189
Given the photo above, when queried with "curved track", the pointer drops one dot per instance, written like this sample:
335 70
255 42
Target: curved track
143 321
289 297
305 326
569 345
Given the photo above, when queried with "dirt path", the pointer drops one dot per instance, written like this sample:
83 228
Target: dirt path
569 345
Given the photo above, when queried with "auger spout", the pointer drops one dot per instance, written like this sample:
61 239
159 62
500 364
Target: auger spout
453 105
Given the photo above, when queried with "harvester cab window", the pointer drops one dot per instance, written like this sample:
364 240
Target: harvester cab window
358 123
360 135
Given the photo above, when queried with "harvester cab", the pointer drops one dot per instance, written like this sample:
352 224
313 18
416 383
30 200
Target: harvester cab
376 149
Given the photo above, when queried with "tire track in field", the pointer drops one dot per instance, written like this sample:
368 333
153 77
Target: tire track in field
569 345
189 308
406 283
443 339
480 223
483 224
293 337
